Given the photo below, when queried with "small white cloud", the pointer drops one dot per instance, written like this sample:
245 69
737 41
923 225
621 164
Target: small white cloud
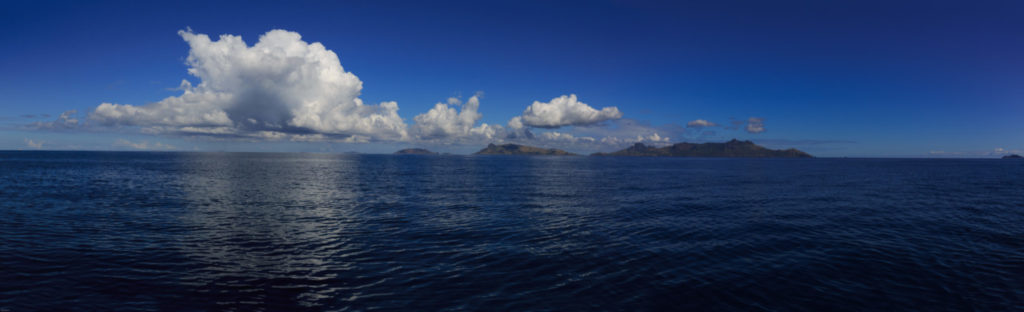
652 138
34 144
755 125
516 123
563 111
700 123
68 118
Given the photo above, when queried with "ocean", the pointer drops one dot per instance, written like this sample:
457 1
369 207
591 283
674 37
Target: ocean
135 231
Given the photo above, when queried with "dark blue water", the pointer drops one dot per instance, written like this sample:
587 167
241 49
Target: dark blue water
237 231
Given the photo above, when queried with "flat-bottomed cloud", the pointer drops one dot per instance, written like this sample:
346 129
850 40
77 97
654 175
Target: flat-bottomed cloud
562 111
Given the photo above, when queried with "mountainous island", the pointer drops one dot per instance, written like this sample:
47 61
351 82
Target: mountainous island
734 148
1013 156
516 149
415 151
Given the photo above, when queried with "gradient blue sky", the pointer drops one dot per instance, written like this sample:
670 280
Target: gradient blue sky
834 78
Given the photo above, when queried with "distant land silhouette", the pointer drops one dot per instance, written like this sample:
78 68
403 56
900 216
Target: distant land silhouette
415 151
1012 156
733 148
516 149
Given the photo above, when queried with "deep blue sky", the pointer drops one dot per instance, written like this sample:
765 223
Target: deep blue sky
857 78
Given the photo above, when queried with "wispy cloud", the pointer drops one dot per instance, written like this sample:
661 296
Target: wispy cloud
66 120
755 125
143 145
995 152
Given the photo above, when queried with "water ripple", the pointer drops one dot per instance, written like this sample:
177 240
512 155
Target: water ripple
310 232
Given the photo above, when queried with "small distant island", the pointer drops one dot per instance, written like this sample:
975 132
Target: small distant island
1012 156
734 148
516 149
415 151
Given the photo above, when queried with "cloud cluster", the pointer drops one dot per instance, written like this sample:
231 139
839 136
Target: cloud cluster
283 88
279 85
562 111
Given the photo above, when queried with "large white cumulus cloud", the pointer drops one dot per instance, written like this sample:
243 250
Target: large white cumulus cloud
562 111
281 84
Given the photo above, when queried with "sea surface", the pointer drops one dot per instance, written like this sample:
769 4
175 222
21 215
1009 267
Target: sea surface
105 231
